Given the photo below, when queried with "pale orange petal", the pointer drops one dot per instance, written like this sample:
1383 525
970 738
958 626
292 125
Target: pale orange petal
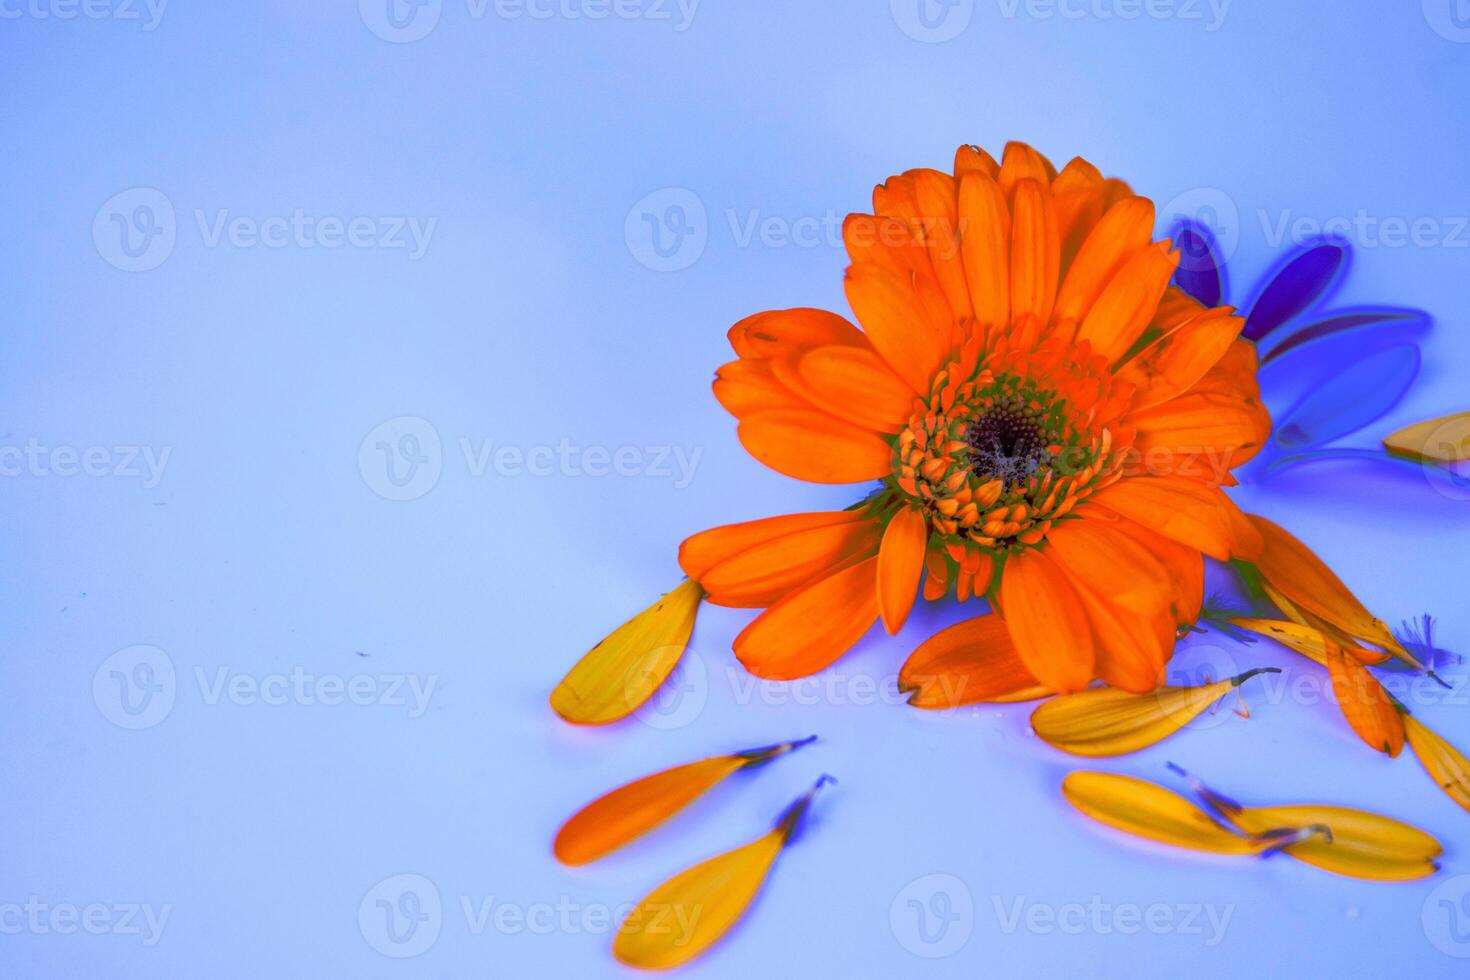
900 565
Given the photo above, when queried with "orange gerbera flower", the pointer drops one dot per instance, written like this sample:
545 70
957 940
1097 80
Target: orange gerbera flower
1050 423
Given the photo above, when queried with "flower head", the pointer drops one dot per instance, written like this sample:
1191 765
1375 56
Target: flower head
1049 422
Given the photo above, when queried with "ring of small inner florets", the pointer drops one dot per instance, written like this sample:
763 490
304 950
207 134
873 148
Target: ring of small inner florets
985 468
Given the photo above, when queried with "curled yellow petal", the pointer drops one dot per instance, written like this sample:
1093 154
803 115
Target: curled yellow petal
1440 759
1145 809
687 914
615 677
1355 843
628 812
1105 721
1441 440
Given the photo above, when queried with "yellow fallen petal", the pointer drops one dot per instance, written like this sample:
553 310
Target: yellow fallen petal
1441 760
1441 440
628 812
1353 842
1105 721
1360 845
1308 641
687 914
620 673
1145 809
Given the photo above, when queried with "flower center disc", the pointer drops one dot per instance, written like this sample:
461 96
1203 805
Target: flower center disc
1006 443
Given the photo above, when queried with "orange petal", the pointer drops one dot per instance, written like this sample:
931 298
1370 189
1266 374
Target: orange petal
616 676
1046 621
703 551
813 626
1132 648
1305 580
1101 556
886 241
937 197
1129 301
763 574
900 566
630 811
968 663
1173 363
985 223
968 158
814 446
1124 231
1035 252
1021 162
781 333
1201 435
907 327
1181 509
1365 704
856 383
745 387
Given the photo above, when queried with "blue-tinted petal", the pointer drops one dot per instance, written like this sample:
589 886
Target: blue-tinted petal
1405 321
1349 400
1200 273
1304 278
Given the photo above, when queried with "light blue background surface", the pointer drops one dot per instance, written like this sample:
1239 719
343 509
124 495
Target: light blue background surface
532 319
